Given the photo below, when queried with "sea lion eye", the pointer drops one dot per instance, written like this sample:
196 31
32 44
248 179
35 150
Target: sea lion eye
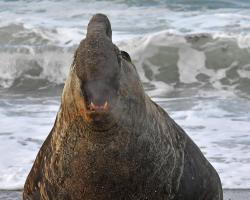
126 56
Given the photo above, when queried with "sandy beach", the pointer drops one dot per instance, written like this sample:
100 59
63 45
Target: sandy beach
229 194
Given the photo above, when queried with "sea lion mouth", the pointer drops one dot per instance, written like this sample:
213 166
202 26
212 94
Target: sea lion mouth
103 108
98 108
100 102
100 96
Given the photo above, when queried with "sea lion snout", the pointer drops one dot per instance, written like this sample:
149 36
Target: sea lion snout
100 22
100 95
98 68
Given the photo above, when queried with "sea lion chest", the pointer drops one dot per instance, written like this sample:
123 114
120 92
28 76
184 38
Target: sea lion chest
121 164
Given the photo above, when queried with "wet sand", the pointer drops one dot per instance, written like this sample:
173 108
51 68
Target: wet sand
10 195
236 194
229 194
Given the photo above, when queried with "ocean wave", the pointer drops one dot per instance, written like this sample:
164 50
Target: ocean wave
196 61
37 21
34 67
165 62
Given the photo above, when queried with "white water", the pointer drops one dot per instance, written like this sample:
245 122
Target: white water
219 125
193 59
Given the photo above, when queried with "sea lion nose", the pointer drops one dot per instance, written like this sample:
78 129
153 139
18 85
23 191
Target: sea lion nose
98 52
100 23
97 64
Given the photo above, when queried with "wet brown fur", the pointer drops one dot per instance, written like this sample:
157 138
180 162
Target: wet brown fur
139 154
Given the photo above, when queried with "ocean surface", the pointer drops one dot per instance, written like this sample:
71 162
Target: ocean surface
193 57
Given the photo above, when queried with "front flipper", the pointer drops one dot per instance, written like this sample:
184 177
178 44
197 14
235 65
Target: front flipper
31 188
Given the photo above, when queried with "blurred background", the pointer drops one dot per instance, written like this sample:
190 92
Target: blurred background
193 57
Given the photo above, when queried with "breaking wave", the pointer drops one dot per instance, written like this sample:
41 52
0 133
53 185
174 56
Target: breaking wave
166 62
197 62
34 67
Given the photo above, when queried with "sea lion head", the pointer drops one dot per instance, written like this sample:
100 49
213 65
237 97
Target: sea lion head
103 81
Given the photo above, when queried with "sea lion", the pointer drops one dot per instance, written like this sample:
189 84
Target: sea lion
110 141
